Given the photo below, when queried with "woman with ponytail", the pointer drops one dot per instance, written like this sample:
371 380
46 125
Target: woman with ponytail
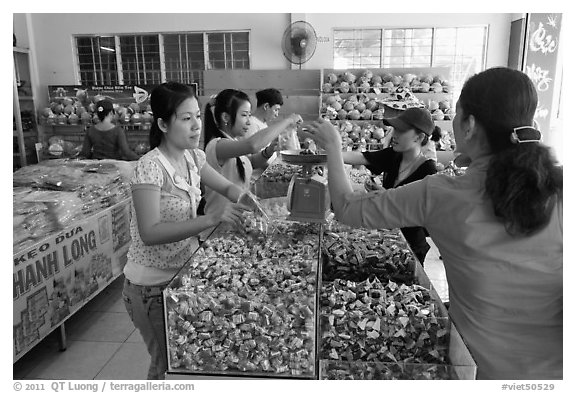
498 227
164 226
226 121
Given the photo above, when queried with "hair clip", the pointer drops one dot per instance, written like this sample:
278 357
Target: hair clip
514 136
100 109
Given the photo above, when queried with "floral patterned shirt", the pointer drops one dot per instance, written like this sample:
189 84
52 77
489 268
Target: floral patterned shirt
178 202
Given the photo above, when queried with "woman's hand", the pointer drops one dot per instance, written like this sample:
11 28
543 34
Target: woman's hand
324 134
250 202
231 213
372 184
295 119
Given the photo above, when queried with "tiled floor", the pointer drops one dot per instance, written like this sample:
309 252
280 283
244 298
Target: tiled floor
102 342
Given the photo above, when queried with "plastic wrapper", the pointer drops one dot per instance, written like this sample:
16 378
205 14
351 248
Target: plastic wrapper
288 140
53 194
64 207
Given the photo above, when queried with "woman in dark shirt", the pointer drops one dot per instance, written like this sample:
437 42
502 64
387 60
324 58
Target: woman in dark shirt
105 139
402 163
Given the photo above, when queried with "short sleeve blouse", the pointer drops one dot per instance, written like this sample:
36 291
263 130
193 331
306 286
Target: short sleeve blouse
177 204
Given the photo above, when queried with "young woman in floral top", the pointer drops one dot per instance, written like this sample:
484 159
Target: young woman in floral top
164 227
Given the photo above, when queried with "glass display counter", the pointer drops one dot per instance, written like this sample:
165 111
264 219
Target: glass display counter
284 299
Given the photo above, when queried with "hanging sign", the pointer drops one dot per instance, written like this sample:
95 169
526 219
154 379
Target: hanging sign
542 42
119 94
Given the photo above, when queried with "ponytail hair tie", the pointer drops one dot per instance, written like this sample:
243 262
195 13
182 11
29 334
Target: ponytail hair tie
515 139
100 109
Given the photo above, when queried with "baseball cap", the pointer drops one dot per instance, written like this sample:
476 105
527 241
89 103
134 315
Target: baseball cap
418 118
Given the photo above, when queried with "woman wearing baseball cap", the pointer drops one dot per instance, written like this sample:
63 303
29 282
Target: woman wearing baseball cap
498 227
402 163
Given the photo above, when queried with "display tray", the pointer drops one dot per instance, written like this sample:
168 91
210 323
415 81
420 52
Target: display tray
374 330
243 317
298 158
458 364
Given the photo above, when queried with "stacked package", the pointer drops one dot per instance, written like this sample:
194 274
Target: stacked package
49 196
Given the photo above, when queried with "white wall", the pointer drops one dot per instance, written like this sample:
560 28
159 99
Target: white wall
53 46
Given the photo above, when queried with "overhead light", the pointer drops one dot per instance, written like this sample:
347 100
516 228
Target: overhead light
107 49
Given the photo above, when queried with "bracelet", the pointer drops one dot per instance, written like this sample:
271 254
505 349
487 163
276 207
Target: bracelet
263 152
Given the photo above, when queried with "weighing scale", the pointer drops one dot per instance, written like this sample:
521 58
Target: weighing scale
308 197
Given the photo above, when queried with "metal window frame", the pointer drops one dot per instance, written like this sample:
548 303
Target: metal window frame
486 28
161 49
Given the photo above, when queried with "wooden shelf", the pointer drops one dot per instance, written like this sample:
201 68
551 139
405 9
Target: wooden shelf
26 98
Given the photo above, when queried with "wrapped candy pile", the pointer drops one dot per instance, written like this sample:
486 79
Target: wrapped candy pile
358 254
284 240
243 315
384 323
51 195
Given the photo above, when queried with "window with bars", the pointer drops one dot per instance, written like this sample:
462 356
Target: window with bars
140 60
97 60
462 48
156 58
228 51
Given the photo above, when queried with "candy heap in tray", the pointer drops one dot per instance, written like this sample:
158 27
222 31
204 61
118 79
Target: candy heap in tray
246 303
358 254
245 316
371 329
285 239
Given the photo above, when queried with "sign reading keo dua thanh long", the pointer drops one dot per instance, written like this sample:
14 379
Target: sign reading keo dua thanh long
55 277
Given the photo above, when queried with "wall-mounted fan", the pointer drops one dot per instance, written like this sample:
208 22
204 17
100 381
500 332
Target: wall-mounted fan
299 42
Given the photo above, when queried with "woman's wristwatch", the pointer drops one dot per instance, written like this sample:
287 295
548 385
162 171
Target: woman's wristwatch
264 154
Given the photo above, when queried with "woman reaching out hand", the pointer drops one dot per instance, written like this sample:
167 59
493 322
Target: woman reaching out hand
498 227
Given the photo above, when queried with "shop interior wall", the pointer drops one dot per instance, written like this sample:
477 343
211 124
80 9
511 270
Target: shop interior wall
54 49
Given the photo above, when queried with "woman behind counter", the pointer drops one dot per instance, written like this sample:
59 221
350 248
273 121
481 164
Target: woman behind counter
498 227
105 139
227 120
402 163
164 227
